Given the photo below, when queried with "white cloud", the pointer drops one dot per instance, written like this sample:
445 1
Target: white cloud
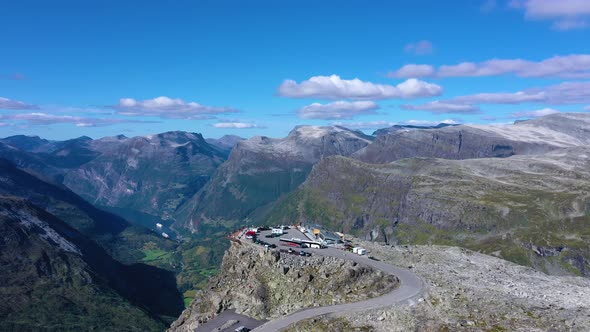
553 9
568 66
413 71
565 93
534 114
559 94
236 125
501 98
9 104
439 107
165 107
419 48
337 110
565 14
39 118
333 87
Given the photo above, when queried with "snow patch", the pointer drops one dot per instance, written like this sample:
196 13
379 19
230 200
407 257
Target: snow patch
530 134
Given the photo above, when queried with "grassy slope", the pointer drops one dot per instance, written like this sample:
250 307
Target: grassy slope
46 288
529 210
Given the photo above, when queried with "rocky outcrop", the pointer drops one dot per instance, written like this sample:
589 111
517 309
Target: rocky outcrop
481 141
468 291
268 284
152 174
517 208
399 128
261 169
146 175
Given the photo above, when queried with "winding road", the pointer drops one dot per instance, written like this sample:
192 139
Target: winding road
411 286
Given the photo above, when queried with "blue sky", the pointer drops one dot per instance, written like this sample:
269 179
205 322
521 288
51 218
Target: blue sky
72 68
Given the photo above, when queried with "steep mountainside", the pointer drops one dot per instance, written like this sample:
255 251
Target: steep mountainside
152 174
532 209
481 141
114 234
261 169
264 284
191 261
53 278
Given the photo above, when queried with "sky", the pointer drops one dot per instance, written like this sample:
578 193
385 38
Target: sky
103 68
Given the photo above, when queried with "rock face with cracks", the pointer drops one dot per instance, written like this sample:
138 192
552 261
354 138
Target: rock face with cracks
269 284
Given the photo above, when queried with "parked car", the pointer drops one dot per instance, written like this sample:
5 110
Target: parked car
242 329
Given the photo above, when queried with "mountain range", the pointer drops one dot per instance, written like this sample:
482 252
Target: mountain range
519 192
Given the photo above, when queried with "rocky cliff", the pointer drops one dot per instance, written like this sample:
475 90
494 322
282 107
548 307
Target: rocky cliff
530 209
152 174
268 284
54 279
481 141
261 169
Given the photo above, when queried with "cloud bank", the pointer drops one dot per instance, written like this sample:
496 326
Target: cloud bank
574 66
337 110
39 118
565 14
559 94
9 104
166 107
441 107
334 87
236 125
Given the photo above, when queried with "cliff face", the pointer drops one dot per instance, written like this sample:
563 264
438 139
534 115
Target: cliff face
55 279
266 284
532 210
481 141
261 169
152 174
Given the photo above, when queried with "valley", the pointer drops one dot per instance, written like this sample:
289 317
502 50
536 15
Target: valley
515 192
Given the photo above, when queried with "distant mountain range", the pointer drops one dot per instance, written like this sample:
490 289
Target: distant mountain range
261 169
150 175
520 192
